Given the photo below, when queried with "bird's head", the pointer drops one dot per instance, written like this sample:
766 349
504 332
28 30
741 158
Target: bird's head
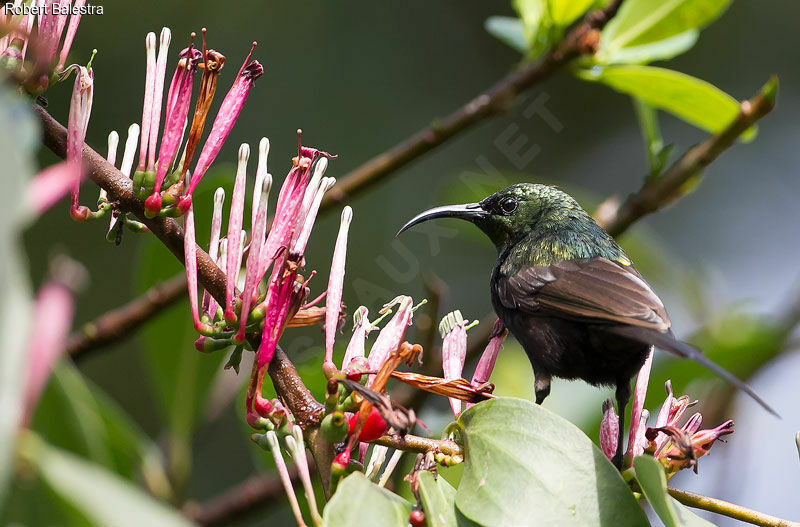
510 213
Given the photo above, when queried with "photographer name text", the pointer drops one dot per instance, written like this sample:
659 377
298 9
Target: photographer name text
52 9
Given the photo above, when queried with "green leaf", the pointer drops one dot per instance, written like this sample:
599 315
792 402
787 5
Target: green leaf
18 135
508 30
438 500
99 495
659 50
651 478
565 12
523 461
536 23
689 98
641 22
358 501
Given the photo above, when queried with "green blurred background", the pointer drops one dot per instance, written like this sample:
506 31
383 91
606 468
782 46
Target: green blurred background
359 77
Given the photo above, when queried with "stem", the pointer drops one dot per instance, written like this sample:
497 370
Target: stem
731 510
657 193
582 40
120 323
412 443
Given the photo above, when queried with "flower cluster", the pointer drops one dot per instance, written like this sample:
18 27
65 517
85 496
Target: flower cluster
41 37
673 445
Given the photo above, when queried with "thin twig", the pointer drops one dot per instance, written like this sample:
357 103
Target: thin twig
657 193
412 443
240 500
119 323
731 510
582 40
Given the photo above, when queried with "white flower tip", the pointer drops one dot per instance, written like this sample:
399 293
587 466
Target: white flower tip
113 143
219 197
150 42
321 167
347 215
267 183
263 151
166 36
244 153
133 131
326 184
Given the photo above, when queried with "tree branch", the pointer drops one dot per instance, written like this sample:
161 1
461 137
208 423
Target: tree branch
582 40
412 443
238 501
120 191
731 510
657 193
119 323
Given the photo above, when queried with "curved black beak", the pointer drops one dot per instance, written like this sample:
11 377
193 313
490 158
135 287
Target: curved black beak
471 212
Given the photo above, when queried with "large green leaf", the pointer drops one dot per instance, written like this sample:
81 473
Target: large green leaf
18 135
102 497
358 501
689 98
525 465
438 500
642 22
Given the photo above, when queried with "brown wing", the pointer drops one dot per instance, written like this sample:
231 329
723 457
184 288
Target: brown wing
597 289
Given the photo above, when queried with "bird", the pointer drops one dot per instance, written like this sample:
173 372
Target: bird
570 294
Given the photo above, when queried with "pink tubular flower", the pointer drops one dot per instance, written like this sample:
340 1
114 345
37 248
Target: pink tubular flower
261 175
234 227
71 30
50 185
685 445
213 245
223 123
392 334
79 111
356 347
251 279
454 350
178 99
609 429
52 318
190 254
636 435
483 371
333 302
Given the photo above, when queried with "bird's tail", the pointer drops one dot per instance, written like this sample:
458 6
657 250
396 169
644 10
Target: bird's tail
668 342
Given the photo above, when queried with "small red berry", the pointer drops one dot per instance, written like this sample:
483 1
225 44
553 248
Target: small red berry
417 518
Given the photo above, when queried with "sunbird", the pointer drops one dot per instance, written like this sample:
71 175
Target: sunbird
570 295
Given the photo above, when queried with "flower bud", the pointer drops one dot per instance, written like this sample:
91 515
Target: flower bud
334 428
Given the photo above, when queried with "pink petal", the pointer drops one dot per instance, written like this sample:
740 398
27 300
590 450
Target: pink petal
213 245
50 185
392 334
639 395
71 30
454 351
234 228
356 346
333 302
251 279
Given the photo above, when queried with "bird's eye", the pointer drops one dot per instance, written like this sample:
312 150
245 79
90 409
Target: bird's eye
508 205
